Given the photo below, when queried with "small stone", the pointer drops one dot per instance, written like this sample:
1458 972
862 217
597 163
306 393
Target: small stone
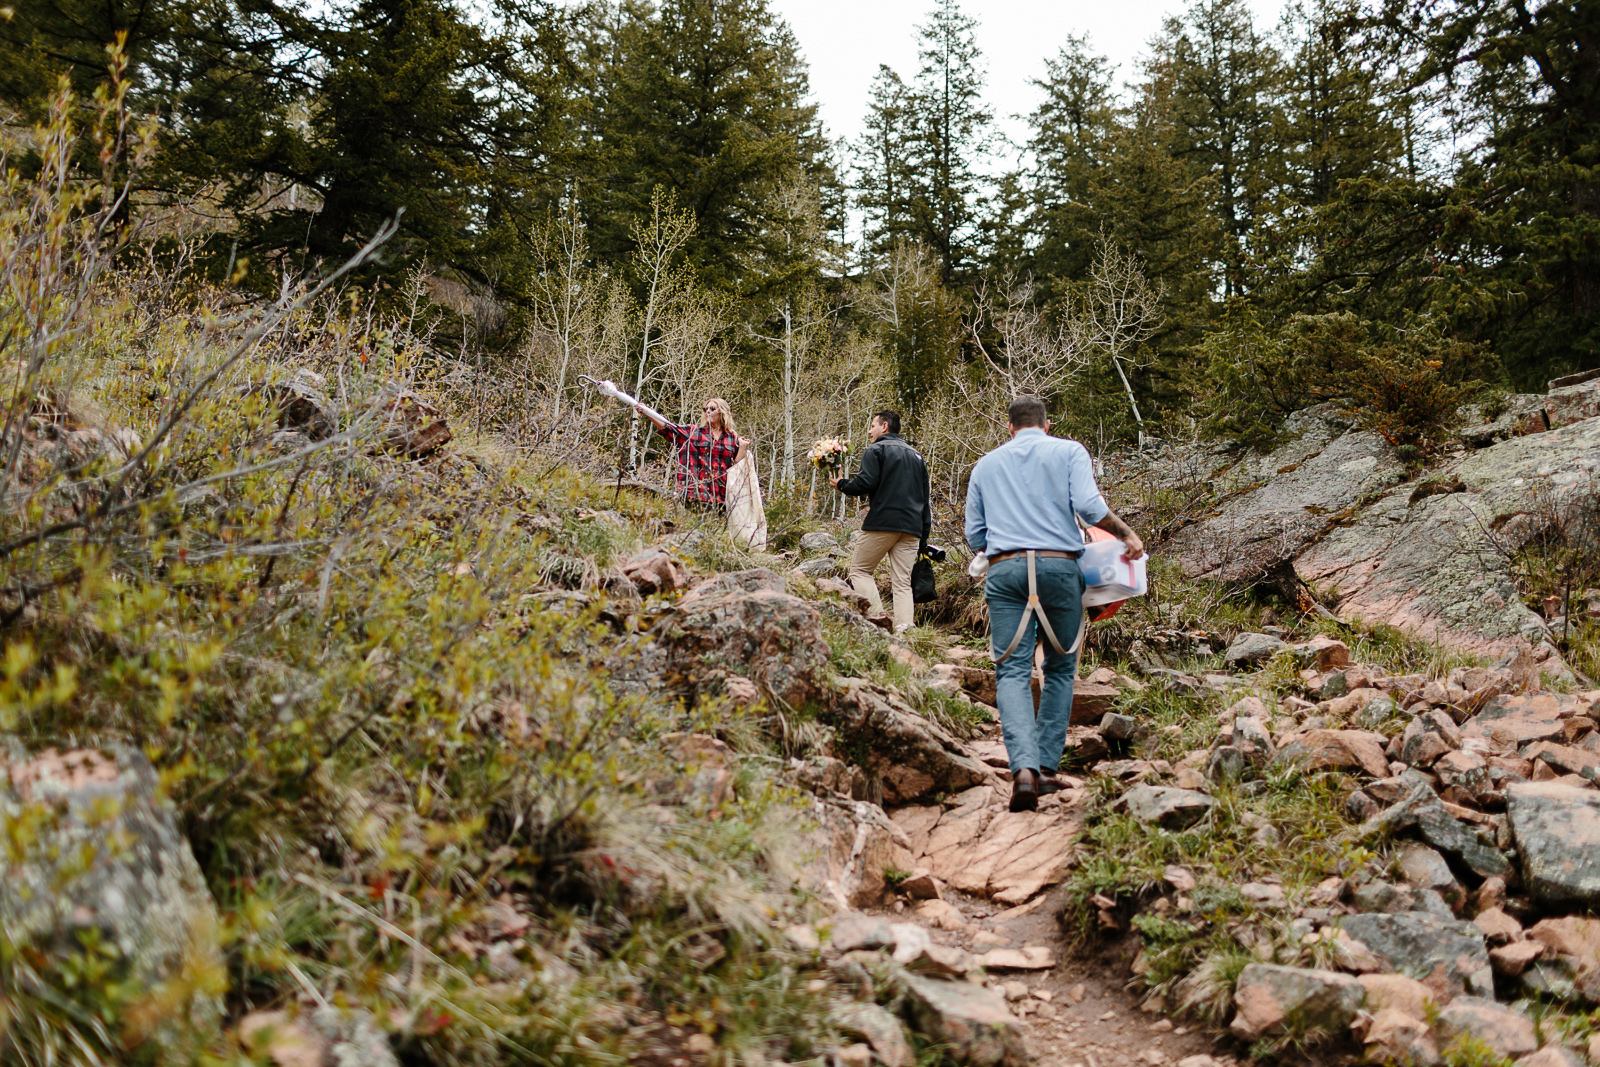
1115 727
1270 999
1498 927
1397 1037
972 1023
803 937
1505 1031
1014 990
1551 1056
1398 992
1263 894
700 1044
853 931
1252 650
942 915
1031 958
1511 960
1077 993
1171 808
921 886
857 1055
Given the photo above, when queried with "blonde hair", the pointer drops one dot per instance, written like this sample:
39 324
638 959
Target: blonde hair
727 416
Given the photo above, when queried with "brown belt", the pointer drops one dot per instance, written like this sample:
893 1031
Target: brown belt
1042 553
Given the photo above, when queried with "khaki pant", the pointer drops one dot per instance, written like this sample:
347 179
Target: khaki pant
902 552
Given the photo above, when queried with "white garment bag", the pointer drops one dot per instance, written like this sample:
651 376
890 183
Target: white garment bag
747 518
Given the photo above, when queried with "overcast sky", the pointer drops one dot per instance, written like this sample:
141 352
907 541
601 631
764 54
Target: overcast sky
843 41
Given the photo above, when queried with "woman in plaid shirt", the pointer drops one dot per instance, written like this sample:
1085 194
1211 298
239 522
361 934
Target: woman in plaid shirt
705 453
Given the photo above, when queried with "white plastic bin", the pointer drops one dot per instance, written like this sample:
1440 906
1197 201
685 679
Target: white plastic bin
1108 577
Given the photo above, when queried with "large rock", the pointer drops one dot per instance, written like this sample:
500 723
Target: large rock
1338 750
1569 965
653 570
973 1023
94 847
754 580
1271 999
324 1037
1302 487
1447 956
1165 806
1566 404
1252 650
773 639
1018 854
879 1028
847 854
1505 1031
1557 831
1510 721
819 541
912 756
1438 563
1422 810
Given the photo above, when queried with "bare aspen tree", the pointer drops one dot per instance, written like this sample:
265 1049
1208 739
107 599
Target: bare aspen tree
689 363
657 242
566 291
1119 312
796 209
1024 353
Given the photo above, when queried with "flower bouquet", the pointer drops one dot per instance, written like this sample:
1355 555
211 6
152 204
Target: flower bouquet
827 455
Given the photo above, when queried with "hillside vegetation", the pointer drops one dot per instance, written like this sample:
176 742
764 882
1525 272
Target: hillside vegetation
380 626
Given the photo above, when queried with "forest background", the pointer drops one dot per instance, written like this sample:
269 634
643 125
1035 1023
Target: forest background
1390 205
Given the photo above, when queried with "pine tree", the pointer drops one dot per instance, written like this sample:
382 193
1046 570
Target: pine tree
1071 136
707 101
1228 121
883 169
951 133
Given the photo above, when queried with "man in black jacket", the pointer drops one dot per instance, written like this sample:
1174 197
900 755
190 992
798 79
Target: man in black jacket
895 478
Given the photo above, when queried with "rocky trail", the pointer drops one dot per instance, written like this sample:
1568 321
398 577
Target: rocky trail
1396 864
1071 1010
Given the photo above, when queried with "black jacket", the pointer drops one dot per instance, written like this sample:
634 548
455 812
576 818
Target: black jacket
895 478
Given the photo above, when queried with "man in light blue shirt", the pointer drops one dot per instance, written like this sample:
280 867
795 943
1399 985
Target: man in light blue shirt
1021 501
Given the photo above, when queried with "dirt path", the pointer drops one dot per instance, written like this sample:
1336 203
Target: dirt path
1077 1013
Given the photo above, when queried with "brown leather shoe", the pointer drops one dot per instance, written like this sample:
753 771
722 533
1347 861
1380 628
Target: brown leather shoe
1025 790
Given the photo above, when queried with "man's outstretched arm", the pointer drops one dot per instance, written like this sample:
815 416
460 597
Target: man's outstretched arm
1113 525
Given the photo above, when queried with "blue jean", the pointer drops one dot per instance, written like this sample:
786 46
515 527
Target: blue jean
1032 743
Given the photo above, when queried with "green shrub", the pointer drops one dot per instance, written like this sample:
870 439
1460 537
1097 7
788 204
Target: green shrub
1407 385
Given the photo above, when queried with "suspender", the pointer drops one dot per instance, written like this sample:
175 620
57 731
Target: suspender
1036 609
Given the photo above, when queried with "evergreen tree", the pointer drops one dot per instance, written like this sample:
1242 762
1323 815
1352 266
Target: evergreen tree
1071 133
1227 82
1503 245
1160 208
883 169
1340 103
1527 255
950 136
707 101
1344 122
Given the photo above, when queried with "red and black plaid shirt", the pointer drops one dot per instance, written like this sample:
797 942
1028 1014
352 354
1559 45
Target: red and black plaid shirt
703 461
